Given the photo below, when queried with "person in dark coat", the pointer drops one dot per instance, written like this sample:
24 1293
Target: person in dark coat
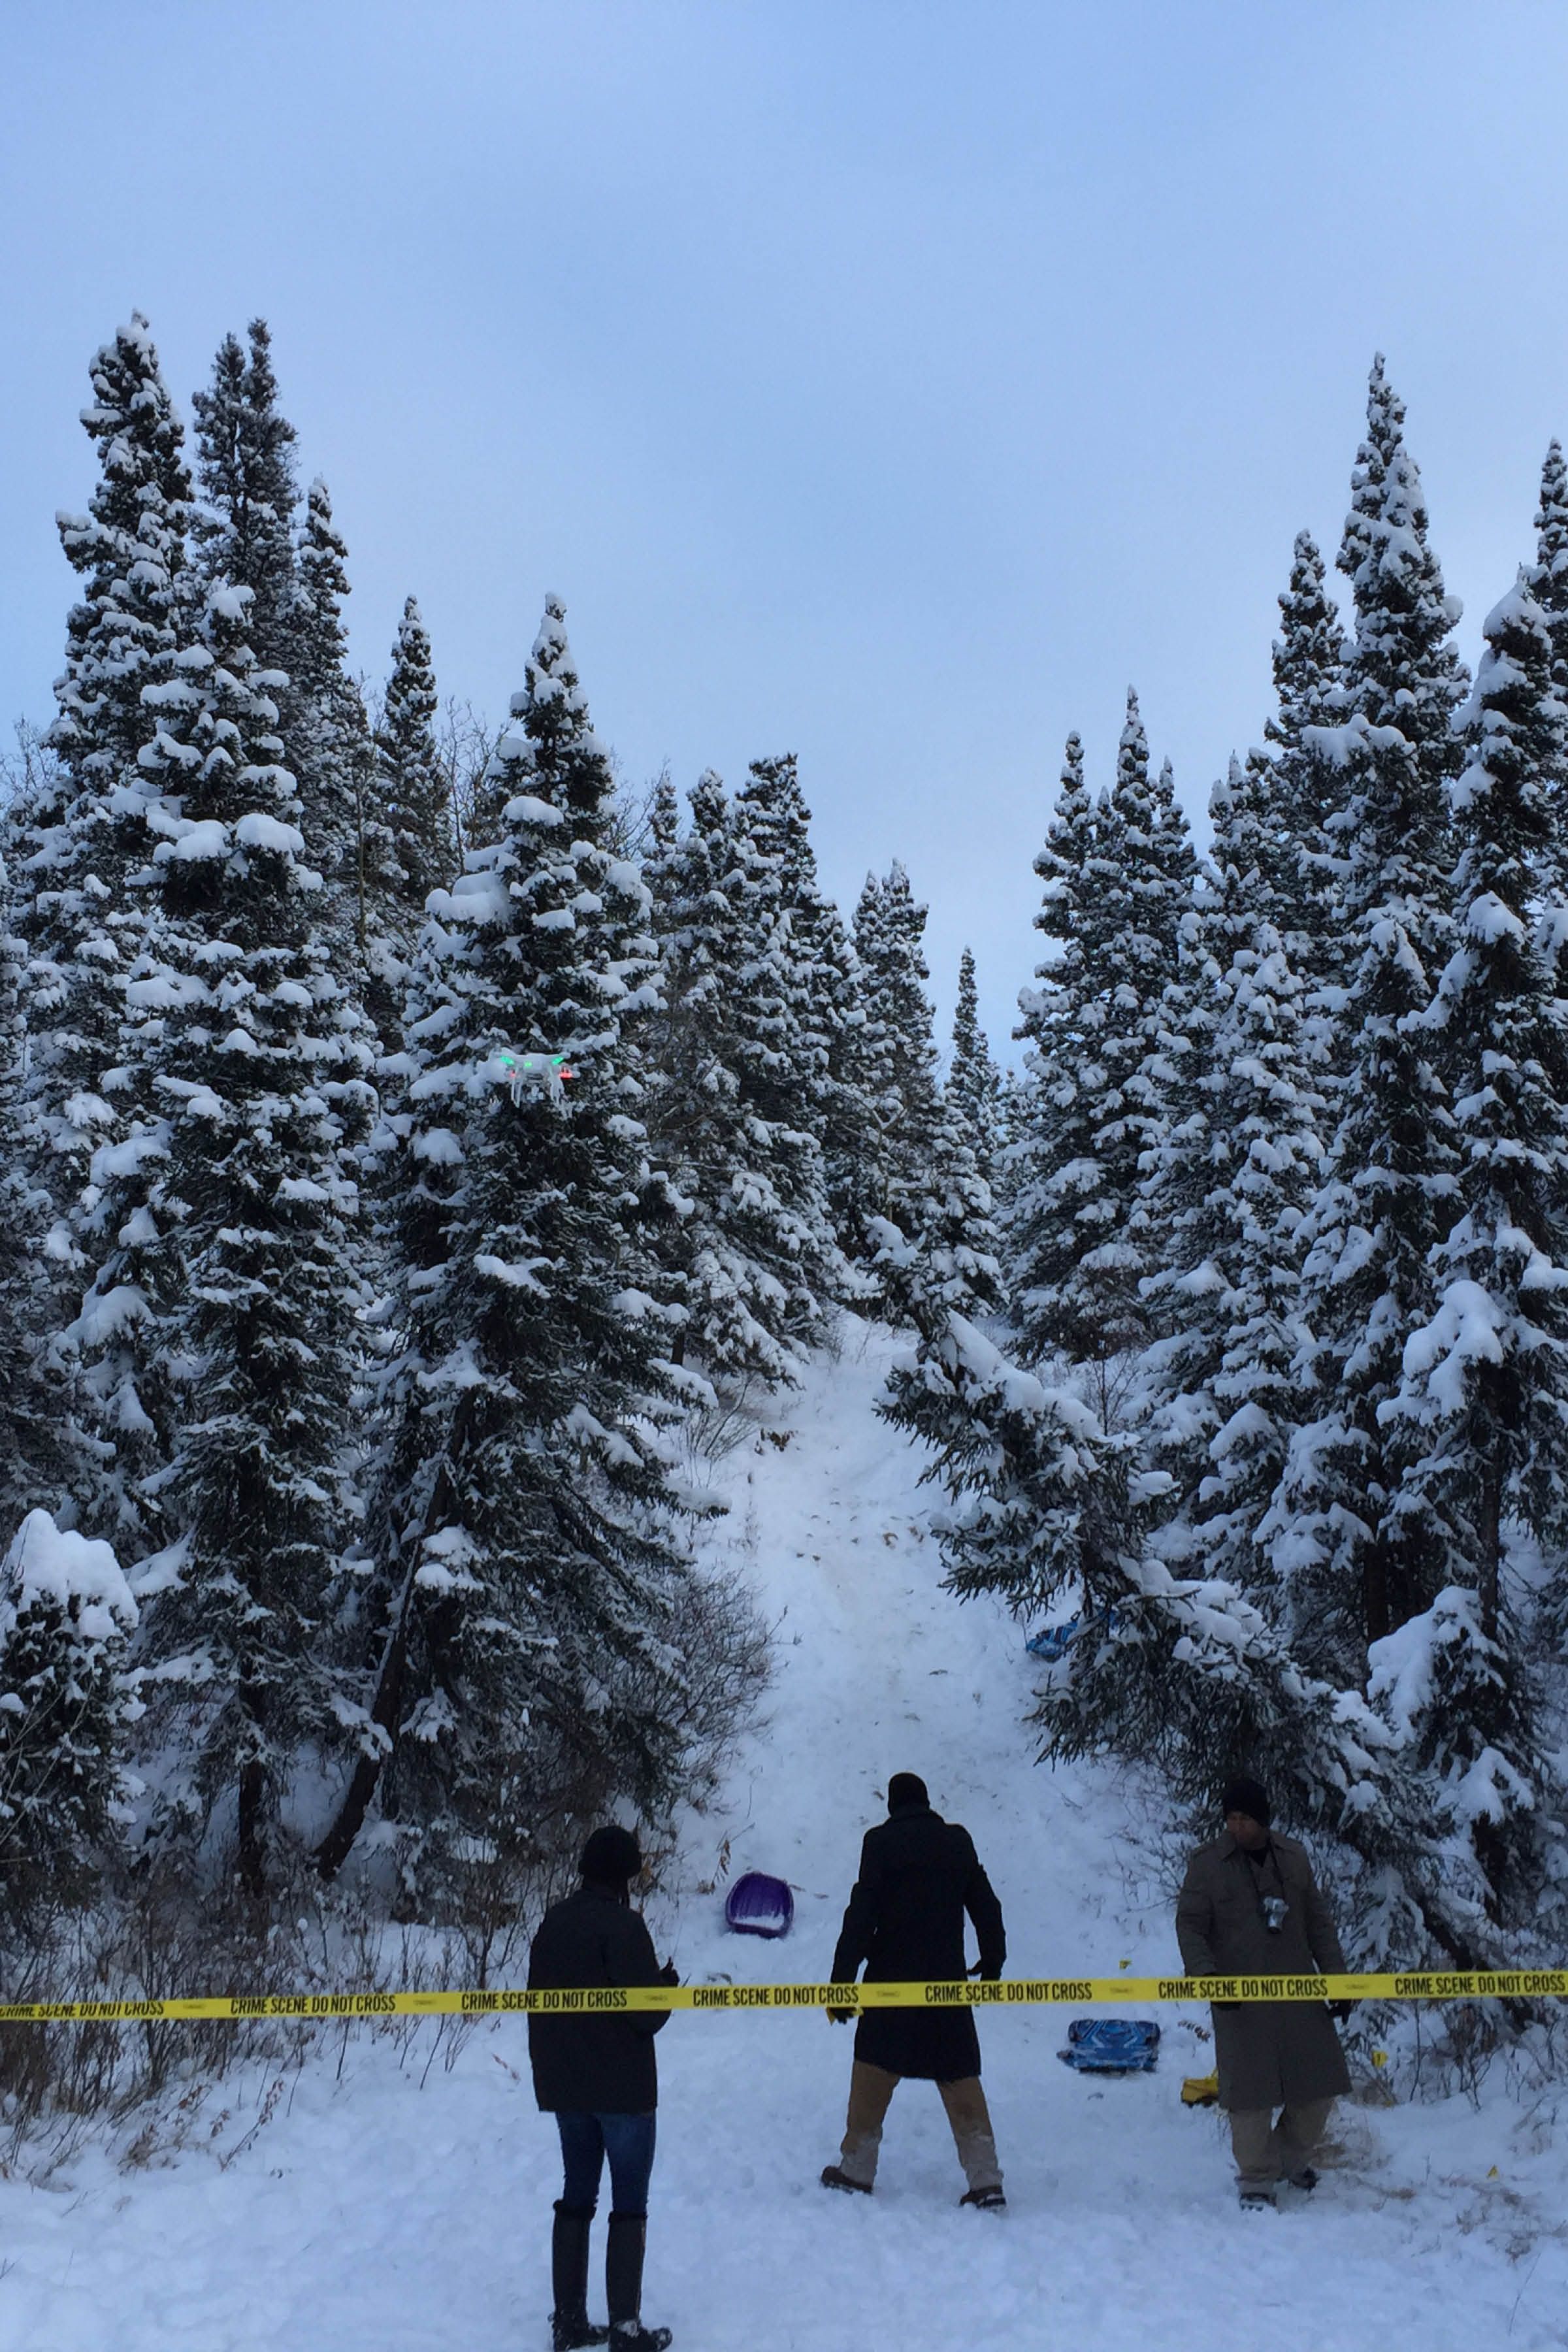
599 2077
919 1876
1251 1906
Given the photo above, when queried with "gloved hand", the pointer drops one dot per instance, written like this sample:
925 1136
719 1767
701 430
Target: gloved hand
1342 2009
669 1974
841 2016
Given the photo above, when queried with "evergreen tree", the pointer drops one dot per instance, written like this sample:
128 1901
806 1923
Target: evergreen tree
254 1056
1310 694
245 472
82 857
1486 1388
1057 1211
527 1559
411 785
1549 580
953 1264
871 1049
819 1012
31 1456
974 1087
1403 671
1038 1495
1192 1678
330 743
1228 1186
1104 1037
752 1245
1366 1544
65 1613
1549 586
896 1058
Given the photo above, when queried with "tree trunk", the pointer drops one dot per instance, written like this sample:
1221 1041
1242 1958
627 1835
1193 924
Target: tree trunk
1377 1617
252 1813
334 1849
1488 1534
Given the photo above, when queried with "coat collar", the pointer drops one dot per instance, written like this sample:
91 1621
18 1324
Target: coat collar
1229 1848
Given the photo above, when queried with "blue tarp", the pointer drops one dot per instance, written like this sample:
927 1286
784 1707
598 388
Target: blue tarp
1055 1642
1112 2046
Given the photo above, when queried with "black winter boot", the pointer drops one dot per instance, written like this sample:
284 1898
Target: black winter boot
569 2327
623 2282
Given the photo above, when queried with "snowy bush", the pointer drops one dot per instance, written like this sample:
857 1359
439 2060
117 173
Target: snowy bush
65 1613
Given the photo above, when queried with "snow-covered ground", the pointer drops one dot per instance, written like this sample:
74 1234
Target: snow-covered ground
377 2211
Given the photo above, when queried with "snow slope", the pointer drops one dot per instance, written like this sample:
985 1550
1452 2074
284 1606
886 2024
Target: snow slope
378 2212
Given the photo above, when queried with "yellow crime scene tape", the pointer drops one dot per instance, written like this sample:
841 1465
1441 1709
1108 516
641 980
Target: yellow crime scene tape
1008 1992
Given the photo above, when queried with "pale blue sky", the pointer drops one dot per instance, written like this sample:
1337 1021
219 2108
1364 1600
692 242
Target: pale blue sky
887 381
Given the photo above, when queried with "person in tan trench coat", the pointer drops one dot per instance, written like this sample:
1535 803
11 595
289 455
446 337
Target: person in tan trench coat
1251 1906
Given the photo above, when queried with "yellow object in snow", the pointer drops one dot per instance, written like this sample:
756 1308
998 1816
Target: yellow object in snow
1200 2091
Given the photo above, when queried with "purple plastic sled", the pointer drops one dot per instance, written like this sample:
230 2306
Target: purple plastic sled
759 1905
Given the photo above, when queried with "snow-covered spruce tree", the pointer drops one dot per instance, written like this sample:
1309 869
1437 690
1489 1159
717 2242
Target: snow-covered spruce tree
1549 577
65 1613
1549 585
1366 1545
1144 863
1103 1035
870 1055
527 1555
1040 1499
896 1058
752 1249
1191 1678
256 1055
1056 1213
1166 874
333 753
78 907
1185 1675
973 1084
32 1455
1310 693
1484 1402
1227 1186
411 786
950 1265
1403 671
820 1009
246 473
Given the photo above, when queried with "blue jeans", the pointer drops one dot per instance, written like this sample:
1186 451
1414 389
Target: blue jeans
587 2139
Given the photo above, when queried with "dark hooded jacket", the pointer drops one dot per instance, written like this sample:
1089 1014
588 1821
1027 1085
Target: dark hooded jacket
605 2065
919 1876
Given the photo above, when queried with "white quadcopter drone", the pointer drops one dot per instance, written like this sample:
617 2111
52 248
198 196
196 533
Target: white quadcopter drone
547 1070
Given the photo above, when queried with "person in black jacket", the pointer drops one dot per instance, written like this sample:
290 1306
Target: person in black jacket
599 2077
918 1876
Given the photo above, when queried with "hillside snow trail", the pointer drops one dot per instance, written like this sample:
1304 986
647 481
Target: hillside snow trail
378 2214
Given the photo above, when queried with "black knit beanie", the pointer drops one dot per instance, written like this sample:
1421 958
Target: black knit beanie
907 1789
1246 1796
611 1856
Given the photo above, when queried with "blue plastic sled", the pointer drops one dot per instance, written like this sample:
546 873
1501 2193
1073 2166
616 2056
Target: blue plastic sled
759 1905
1112 2046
